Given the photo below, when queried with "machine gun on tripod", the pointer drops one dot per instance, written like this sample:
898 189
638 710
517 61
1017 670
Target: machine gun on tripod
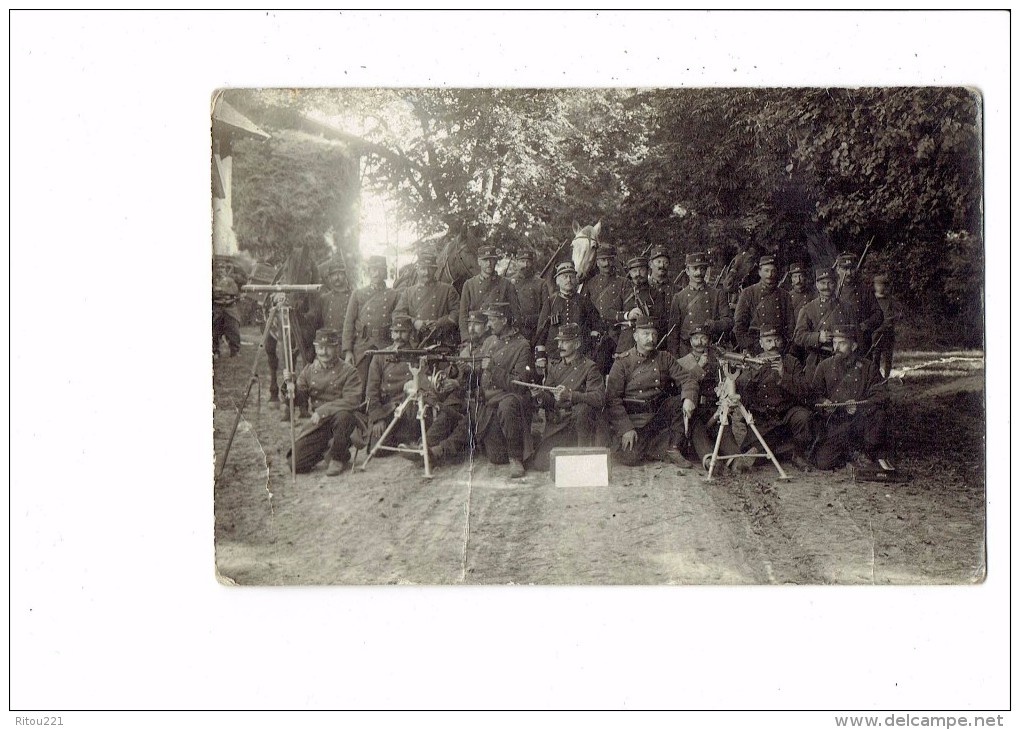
730 365
422 391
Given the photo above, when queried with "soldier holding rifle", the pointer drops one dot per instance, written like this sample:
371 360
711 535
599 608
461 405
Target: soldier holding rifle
634 301
761 303
531 293
647 421
816 321
565 307
857 299
697 306
367 322
432 305
485 288
852 393
573 397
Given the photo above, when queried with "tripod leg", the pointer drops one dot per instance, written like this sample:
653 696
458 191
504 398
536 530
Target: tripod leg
750 422
424 437
382 439
715 451
288 360
244 400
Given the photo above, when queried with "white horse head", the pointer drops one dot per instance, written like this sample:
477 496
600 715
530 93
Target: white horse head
584 246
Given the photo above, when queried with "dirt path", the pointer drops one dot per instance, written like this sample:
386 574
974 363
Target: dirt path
654 525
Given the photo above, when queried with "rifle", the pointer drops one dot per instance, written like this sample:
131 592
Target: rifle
860 263
545 269
430 354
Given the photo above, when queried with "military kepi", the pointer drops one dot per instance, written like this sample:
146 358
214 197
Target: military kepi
565 267
701 329
568 332
637 261
376 262
696 259
488 252
327 336
401 322
824 273
644 322
497 309
845 331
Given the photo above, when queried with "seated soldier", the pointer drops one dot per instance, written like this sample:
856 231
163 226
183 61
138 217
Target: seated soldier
776 393
502 419
703 366
854 391
333 389
572 410
647 420
388 378
458 390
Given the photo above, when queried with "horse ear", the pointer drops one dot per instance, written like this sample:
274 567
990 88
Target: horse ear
576 228
595 229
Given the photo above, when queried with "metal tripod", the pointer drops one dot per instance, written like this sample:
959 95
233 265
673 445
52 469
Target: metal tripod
415 394
728 400
280 313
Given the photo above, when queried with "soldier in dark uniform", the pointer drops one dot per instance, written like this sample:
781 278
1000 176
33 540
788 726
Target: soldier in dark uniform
817 319
646 420
634 300
367 322
860 307
333 389
531 293
801 292
764 302
858 427
485 288
603 289
566 306
572 411
503 419
226 316
779 398
703 366
336 297
660 279
433 306
387 378
697 305
884 338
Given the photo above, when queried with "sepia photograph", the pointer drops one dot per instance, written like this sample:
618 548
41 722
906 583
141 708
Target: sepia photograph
600 336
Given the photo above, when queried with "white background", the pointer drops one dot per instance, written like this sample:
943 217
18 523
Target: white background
114 604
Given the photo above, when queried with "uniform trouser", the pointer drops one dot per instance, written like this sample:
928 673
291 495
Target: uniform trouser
448 435
223 325
333 434
408 429
864 431
603 354
794 431
504 437
657 436
882 355
703 438
578 431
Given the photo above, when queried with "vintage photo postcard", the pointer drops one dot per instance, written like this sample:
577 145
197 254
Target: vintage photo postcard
598 336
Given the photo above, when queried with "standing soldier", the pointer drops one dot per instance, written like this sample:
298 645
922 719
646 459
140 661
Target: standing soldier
853 389
602 290
660 278
884 338
702 364
367 323
697 305
801 293
336 297
485 288
503 421
762 303
777 395
226 316
531 293
386 380
566 306
634 300
816 321
333 389
646 421
572 410
858 300
432 305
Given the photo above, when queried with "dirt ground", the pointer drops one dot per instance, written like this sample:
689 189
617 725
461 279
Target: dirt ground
653 525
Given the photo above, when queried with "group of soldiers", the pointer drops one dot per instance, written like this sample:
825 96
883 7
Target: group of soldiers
633 363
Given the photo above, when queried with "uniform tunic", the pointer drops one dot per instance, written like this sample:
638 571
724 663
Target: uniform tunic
862 309
884 338
335 393
226 316
814 317
559 310
385 391
572 421
430 302
799 298
531 293
478 292
599 284
619 303
692 307
758 307
850 378
778 404
501 420
367 323
334 309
